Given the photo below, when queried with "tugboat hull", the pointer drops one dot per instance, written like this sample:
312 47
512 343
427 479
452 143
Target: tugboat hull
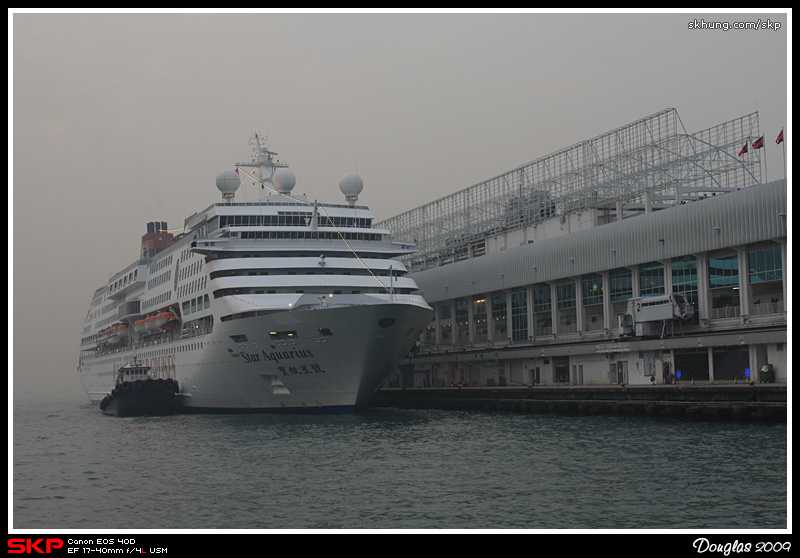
141 397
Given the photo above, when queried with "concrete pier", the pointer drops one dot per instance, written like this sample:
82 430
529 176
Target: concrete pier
709 401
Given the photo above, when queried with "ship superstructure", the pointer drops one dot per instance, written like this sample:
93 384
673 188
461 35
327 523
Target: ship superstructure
279 304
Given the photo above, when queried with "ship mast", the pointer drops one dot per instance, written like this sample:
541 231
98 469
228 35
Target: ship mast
264 161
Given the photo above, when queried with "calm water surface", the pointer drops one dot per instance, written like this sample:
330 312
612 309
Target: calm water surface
75 468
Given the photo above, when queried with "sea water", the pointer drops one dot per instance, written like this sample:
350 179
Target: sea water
76 468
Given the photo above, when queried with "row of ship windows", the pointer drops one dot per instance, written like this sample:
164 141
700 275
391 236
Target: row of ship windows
220 293
189 270
308 235
301 271
160 279
171 350
161 264
292 219
192 287
157 301
309 253
123 281
195 305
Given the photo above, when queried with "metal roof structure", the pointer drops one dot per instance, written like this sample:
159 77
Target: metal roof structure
737 218
652 162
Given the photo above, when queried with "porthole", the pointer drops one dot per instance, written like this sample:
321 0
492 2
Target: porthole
386 322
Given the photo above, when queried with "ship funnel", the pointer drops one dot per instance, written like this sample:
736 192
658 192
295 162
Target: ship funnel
156 239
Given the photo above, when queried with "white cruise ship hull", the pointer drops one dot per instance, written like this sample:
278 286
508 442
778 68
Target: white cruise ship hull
329 360
277 305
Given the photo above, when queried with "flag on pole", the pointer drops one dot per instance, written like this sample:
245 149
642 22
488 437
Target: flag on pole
759 143
744 150
780 137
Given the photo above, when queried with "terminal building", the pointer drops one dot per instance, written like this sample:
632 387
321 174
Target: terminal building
644 255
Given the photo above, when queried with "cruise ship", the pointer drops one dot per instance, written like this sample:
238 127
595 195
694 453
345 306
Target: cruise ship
283 304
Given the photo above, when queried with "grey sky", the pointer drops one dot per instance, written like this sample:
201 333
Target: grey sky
123 119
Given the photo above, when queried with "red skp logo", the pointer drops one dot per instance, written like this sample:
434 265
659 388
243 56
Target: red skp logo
29 546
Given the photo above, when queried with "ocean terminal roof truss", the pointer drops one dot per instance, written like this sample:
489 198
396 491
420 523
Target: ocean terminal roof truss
649 164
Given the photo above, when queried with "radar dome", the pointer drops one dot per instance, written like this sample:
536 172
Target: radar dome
228 182
284 180
351 186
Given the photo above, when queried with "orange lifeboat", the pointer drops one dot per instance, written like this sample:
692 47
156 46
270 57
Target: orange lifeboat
102 337
160 321
170 320
150 324
122 331
113 336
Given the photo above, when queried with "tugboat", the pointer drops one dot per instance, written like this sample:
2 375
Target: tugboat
137 392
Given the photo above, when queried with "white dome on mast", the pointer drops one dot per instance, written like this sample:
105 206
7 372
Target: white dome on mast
351 186
284 181
227 183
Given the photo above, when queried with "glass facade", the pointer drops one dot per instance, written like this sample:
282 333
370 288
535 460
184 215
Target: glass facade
684 281
479 318
499 316
542 310
651 279
565 295
462 321
567 302
592 286
446 322
592 298
723 280
723 272
526 313
765 272
765 265
519 315
621 284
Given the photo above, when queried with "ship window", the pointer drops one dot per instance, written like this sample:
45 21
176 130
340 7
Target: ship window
325 331
283 334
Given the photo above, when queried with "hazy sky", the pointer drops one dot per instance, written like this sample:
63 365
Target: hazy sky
123 119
